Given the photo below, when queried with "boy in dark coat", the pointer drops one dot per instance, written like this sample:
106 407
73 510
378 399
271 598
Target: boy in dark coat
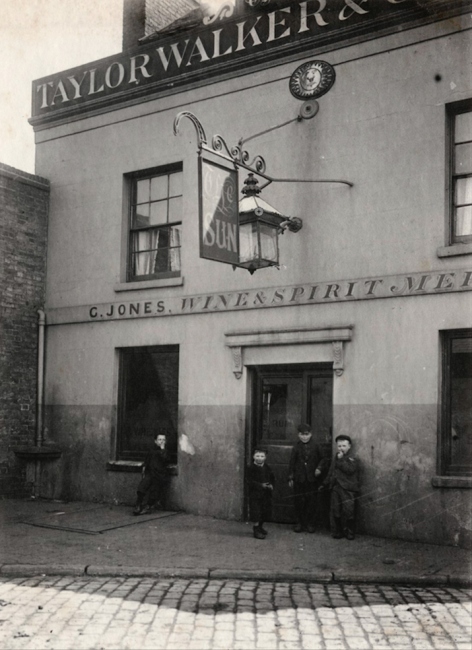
155 477
260 480
303 473
344 481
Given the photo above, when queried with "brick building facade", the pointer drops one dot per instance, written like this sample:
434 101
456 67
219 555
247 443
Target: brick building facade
24 202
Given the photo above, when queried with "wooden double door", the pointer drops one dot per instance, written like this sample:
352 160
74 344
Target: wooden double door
283 397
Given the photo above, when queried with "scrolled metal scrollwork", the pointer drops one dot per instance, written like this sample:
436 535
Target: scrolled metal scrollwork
258 163
236 153
218 143
225 11
201 135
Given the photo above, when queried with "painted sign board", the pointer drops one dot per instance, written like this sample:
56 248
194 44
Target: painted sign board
261 34
219 214
314 293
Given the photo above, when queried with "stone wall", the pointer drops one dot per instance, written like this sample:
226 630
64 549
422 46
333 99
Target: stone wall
24 203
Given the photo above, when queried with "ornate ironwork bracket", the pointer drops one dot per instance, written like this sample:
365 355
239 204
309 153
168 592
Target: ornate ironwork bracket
201 135
239 156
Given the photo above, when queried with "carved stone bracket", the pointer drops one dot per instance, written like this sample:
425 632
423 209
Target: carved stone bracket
237 355
338 356
236 341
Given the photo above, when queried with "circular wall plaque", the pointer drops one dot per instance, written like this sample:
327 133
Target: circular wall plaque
311 80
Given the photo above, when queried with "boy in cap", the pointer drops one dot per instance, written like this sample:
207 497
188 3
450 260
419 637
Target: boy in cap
260 480
303 477
153 485
344 481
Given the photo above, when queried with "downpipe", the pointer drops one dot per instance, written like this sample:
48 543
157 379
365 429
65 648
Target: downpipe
39 438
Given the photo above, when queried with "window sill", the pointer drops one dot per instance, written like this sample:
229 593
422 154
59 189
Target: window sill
149 284
452 481
134 466
455 249
124 466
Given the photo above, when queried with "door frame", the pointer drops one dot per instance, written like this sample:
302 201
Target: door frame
255 374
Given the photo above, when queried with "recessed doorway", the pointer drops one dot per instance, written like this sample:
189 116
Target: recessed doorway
282 397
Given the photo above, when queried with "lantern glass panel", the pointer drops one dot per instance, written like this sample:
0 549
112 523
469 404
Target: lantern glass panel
269 248
248 242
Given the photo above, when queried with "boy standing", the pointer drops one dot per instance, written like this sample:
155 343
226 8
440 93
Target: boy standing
344 481
303 476
155 478
260 480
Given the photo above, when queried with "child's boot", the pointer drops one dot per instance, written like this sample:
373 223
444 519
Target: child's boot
258 534
350 529
337 530
139 505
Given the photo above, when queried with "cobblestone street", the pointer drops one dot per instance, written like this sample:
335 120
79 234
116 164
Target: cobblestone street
68 612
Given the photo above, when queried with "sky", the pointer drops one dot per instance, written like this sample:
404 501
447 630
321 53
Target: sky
41 37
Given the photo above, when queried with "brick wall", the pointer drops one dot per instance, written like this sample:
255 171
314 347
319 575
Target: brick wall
160 13
24 201
144 17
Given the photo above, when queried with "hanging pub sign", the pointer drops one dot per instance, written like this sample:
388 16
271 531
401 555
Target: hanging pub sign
219 226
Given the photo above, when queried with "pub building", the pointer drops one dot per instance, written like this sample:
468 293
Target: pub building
261 215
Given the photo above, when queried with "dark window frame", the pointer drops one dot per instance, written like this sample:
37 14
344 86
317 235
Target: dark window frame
452 111
133 179
445 465
121 452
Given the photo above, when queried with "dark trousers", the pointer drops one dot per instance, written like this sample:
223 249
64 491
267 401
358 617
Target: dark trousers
305 502
343 508
151 491
260 507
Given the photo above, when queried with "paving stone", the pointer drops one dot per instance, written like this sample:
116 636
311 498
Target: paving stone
79 613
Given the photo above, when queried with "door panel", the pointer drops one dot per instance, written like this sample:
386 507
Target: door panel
284 396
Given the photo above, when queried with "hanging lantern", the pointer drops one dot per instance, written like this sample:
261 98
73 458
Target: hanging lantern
259 228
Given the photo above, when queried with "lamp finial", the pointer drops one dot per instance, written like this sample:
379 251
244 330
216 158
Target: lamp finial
251 186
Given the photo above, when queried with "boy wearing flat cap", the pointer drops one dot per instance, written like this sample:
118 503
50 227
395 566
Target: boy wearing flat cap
303 477
344 481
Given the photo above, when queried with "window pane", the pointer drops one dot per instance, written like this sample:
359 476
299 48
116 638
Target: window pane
141 216
159 187
175 209
175 184
463 221
463 159
461 403
144 244
282 405
158 213
463 127
149 400
463 190
142 264
174 258
268 243
248 242
142 191
161 260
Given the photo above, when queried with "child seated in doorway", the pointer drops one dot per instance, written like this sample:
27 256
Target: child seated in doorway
260 480
155 478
